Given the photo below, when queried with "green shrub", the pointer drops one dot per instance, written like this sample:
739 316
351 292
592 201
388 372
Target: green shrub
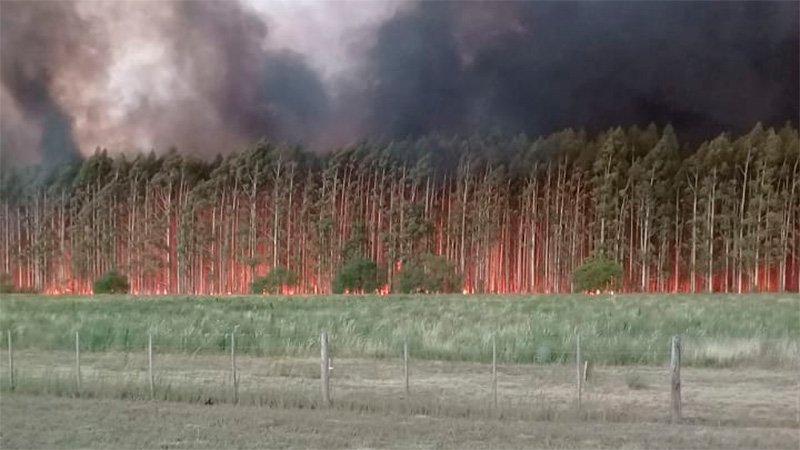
428 273
411 278
597 274
273 282
112 282
358 275
6 283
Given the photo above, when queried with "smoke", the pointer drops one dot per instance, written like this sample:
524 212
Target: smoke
37 40
202 76
255 92
419 82
211 76
541 66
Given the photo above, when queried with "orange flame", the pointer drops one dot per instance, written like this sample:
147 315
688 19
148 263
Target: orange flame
288 290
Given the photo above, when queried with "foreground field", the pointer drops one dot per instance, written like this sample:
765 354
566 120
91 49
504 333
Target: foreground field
717 330
744 397
739 378
68 423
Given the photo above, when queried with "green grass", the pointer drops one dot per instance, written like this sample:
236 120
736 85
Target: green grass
717 330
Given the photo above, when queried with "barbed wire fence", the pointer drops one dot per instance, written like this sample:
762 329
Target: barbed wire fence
572 384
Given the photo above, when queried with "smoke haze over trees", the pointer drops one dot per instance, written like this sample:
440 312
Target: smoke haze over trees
211 77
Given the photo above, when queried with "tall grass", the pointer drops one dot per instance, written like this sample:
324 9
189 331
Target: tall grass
623 329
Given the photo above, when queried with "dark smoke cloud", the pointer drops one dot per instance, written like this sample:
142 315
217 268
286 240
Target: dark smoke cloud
542 66
419 82
209 76
227 88
38 38
257 93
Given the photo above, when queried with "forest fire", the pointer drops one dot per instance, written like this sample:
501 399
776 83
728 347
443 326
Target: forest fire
68 289
498 230
443 153
288 290
399 223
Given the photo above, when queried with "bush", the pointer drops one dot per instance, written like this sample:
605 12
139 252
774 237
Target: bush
273 282
358 275
6 283
112 282
428 273
597 274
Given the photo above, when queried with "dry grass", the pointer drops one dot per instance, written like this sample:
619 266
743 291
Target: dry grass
46 422
712 396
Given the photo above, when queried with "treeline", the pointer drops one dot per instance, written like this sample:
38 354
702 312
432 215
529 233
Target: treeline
510 214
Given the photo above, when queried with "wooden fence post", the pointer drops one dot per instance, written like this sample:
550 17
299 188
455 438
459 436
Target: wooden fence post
405 364
494 373
11 362
78 363
578 369
324 369
675 382
233 368
585 370
150 365
798 395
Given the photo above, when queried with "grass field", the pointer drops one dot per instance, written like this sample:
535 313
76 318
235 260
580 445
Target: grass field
531 392
82 423
740 380
717 330
449 405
